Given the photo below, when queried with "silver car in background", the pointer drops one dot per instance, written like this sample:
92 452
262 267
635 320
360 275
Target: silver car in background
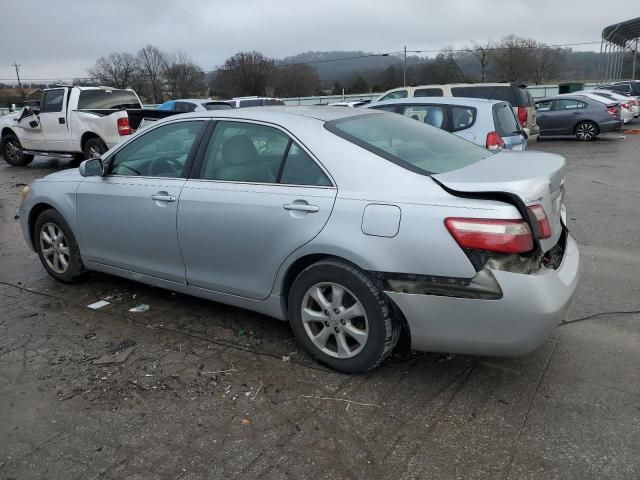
351 224
491 124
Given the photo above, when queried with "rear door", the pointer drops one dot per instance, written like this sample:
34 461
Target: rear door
255 196
53 120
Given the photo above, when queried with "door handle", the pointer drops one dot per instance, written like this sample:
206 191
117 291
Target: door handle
163 197
301 207
61 120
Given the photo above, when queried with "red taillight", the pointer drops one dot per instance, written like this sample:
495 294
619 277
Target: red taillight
613 111
523 115
123 126
543 220
504 236
494 141
633 102
625 106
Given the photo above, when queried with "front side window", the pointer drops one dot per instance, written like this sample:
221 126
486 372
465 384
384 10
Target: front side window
433 115
244 152
53 100
161 152
428 92
395 95
544 106
408 143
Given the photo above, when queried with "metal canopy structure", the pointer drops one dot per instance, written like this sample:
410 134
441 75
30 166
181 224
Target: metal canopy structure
617 40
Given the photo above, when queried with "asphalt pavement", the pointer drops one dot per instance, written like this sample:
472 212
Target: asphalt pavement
191 389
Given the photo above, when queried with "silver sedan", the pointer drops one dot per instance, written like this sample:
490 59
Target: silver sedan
353 225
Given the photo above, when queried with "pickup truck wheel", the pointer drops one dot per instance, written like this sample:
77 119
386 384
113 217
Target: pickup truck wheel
341 317
94 148
11 150
57 247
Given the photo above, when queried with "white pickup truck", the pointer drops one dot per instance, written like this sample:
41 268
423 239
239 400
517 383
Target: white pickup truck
70 120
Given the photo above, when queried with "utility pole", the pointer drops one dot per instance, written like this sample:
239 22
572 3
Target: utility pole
404 69
18 75
635 56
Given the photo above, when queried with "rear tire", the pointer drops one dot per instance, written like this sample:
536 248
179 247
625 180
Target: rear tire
13 153
586 131
94 148
341 317
57 247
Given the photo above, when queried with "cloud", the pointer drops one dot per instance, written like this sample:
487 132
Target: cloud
64 38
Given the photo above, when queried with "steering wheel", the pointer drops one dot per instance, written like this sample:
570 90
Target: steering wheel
160 167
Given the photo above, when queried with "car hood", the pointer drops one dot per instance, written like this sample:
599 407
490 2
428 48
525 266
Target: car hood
71 174
535 178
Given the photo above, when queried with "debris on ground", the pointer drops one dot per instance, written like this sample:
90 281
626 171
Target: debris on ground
143 307
90 335
286 358
245 421
97 305
118 357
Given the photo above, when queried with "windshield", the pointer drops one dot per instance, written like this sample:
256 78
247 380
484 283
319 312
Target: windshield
107 99
413 145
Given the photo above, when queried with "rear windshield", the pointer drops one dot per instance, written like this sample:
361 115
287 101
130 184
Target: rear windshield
505 120
516 96
413 145
107 99
217 106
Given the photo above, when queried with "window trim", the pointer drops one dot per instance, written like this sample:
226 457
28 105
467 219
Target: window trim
196 167
195 146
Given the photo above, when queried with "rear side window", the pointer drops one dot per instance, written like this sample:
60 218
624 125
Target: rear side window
622 87
395 95
53 100
428 92
505 120
462 118
184 107
433 115
516 96
544 106
407 143
217 106
107 99
300 169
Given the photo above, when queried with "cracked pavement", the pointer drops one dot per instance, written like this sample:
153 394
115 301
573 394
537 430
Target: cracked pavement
211 391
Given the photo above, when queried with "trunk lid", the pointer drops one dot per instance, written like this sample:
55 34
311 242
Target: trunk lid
527 178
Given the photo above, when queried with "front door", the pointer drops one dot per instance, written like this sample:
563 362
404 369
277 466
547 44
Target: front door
53 119
255 198
127 218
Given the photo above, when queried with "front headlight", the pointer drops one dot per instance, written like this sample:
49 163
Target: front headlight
25 192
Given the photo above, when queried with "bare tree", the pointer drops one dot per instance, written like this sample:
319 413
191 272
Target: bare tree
296 81
482 53
245 73
184 78
117 70
514 58
545 63
152 62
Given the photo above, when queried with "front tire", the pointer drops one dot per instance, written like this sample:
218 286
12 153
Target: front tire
341 317
94 148
13 153
586 131
57 247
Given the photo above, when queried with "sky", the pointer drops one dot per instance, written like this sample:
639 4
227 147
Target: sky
63 38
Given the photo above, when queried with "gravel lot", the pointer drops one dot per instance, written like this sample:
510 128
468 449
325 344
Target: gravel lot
210 391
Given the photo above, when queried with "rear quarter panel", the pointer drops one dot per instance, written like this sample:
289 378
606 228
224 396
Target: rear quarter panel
105 127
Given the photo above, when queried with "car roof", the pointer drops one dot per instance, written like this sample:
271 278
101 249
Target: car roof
441 100
281 113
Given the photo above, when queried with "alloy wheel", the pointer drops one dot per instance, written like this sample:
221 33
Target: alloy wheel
54 247
586 131
13 150
335 320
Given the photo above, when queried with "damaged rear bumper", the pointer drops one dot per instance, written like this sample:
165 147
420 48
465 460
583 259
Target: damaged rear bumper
531 307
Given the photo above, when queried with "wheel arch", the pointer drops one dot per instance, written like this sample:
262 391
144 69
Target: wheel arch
86 136
6 131
587 120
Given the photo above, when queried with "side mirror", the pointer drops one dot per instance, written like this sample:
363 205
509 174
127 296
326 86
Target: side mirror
92 168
